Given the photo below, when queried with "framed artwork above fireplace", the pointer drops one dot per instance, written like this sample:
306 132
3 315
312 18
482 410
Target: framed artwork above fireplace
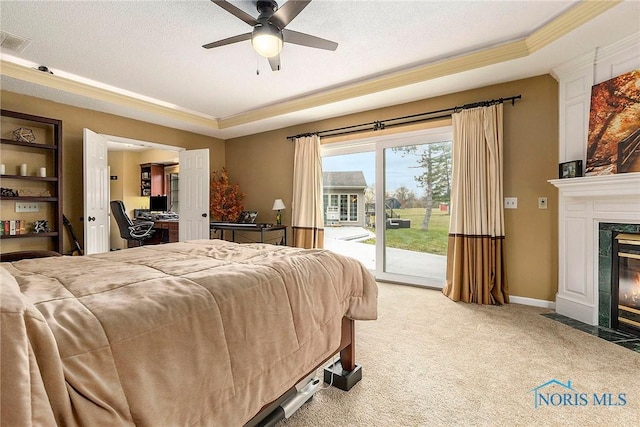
613 144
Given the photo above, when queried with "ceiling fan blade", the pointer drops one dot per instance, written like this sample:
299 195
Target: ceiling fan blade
238 13
287 12
274 61
308 40
230 40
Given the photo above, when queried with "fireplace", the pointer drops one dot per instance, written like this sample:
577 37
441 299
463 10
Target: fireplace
585 203
625 282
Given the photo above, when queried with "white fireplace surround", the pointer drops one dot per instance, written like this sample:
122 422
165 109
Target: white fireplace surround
584 203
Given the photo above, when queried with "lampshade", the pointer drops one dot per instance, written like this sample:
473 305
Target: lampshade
278 205
266 40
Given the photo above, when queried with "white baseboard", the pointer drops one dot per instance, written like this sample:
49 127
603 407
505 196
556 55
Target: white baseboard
532 301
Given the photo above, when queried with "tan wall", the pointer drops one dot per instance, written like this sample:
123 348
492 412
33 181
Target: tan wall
263 166
75 119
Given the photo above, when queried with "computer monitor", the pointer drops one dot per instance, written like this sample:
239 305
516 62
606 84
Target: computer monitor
158 203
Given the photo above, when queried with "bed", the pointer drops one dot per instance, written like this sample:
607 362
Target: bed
204 332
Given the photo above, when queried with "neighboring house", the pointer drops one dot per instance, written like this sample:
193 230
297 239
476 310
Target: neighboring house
343 198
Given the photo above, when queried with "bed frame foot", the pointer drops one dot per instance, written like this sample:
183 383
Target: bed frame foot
342 379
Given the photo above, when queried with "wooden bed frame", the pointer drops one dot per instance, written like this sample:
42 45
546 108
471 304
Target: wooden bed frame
343 374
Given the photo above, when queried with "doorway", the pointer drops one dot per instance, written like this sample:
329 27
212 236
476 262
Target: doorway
125 156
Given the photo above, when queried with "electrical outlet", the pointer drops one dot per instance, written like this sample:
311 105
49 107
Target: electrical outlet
27 207
511 203
542 203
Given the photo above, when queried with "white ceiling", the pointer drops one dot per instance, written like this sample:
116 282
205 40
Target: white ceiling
389 52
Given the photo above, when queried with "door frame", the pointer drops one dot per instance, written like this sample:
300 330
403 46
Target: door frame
127 141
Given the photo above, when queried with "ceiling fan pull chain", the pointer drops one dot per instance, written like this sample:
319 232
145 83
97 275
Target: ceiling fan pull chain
257 65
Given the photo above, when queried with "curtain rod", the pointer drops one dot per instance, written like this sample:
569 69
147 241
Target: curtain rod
405 120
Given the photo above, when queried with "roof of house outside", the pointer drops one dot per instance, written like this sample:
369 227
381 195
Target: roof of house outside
352 179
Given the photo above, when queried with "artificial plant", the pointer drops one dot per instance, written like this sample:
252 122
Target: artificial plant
225 202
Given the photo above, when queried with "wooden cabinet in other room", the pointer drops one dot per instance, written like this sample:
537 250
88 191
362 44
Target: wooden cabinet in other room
152 179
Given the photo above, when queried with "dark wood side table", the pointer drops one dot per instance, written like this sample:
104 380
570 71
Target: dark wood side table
255 228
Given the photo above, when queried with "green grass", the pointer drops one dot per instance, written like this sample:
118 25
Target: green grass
433 241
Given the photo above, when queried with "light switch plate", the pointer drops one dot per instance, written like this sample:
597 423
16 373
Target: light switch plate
27 207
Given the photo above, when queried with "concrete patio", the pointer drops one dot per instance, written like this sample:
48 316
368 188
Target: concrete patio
348 241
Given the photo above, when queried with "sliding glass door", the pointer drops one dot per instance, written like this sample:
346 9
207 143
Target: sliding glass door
414 172
386 203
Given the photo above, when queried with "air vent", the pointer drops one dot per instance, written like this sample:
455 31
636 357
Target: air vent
12 42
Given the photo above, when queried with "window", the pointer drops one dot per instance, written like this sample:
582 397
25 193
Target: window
344 205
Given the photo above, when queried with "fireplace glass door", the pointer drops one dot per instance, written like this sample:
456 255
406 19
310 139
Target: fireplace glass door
625 312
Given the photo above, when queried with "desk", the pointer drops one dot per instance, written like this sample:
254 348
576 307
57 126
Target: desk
254 228
166 231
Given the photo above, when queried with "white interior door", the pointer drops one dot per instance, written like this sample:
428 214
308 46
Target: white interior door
194 194
96 193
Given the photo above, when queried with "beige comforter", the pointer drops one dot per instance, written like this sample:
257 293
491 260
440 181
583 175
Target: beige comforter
194 333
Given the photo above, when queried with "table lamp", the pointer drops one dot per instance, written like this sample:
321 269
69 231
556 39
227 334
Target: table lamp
278 205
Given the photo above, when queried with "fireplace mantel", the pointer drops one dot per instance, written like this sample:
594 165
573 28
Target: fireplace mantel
584 202
624 184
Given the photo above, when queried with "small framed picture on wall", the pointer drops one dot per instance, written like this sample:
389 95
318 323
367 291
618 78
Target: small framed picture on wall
571 169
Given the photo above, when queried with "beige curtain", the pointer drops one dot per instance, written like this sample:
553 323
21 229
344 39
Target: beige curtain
307 222
476 256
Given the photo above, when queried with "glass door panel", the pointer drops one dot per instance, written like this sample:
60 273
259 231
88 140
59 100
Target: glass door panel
413 214
349 183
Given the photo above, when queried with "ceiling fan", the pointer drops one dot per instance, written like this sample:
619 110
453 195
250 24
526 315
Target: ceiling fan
269 32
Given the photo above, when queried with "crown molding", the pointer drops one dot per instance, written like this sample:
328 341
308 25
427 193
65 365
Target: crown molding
619 47
506 52
575 65
28 74
575 17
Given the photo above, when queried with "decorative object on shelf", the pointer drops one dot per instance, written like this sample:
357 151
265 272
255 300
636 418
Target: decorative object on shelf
278 205
570 169
2 169
225 202
23 169
35 192
41 226
42 172
8 192
24 135
13 227
247 217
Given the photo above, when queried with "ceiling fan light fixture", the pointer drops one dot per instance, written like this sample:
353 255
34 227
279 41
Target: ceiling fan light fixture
266 40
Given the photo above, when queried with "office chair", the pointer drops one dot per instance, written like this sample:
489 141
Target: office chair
139 231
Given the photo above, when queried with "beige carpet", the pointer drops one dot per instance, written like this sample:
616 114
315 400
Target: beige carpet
428 361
